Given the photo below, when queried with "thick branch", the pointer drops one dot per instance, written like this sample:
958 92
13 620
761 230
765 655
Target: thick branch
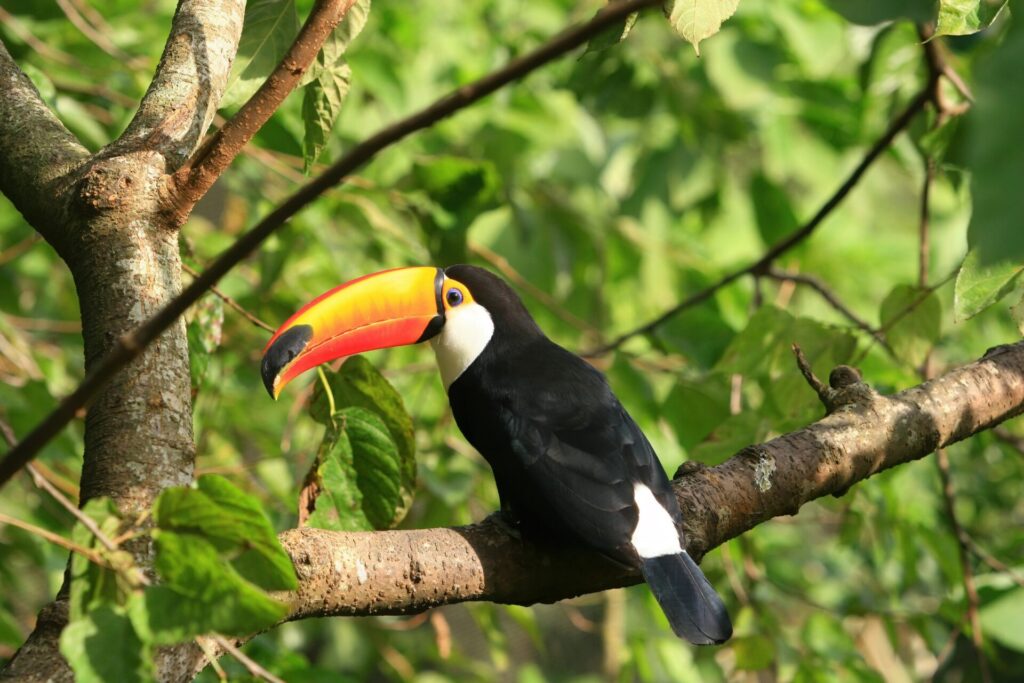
36 149
189 82
400 572
130 345
195 178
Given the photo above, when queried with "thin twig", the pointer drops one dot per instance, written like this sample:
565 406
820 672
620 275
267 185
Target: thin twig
907 310
828 295
923 225
970 590
251 666
18 248
44 325
195 178
992 561
1011 440
812 380
935 62
44 50
85 520
130 345
229 301
56 539
790 241
96 36
41 482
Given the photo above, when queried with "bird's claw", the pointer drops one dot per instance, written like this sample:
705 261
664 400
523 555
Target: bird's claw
506 522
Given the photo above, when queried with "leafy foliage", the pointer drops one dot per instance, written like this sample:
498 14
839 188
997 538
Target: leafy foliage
607 188
365 470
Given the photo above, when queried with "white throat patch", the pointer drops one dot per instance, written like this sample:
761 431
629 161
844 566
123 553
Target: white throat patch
466 331
655 533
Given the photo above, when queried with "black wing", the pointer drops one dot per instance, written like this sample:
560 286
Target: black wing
581 452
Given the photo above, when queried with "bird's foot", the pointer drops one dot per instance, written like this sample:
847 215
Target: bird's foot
689 467
505 521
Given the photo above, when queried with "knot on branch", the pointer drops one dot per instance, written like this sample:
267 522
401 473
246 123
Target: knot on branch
846 386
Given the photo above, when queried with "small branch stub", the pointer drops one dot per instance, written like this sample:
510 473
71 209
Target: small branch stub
845 385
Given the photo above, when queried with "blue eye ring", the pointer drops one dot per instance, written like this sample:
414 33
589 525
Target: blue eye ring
454 297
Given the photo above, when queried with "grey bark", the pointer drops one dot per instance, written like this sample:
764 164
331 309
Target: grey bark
102 215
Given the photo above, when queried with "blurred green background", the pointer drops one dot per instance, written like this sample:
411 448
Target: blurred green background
606 187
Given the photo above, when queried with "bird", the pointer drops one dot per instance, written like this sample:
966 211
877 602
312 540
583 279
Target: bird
570 463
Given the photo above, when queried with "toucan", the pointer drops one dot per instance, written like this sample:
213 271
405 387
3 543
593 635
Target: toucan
570 464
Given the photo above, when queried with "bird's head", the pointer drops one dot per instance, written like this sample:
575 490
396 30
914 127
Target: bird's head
458 309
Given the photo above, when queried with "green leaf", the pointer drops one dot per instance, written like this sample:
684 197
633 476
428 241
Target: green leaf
1003 619
962 17
456 190
696 20
634 390
234 523
332 52
359 384
204 331
327 83
979 286
753 653
93 586
766 331
201 592
612 36
357 479
321 103
912 318
269 29
696 408
103 646
876 11
994 236
772 209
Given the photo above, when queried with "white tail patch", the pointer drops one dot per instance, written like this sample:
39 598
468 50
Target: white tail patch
466 332
655 533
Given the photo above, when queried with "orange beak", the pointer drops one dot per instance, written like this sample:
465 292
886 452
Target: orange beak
390 308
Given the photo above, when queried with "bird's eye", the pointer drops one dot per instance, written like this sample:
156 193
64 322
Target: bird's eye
454 297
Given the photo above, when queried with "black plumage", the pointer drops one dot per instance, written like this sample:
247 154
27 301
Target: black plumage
567 456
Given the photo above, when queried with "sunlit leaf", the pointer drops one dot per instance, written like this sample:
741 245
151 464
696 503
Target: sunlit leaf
696 20
613 35
327 83
995 238
356 479
103 646
359 384
321 103
269 29
200 592
234 523
92 585
1003 619
961 17
979 286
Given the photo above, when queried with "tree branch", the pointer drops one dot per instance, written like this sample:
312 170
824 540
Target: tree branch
833 300
401 572
37 150
193 72
196 177
130 345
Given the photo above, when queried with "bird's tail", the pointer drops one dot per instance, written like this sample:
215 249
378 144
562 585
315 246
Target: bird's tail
694 610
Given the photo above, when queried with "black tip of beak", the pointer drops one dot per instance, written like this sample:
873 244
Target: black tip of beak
283 351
